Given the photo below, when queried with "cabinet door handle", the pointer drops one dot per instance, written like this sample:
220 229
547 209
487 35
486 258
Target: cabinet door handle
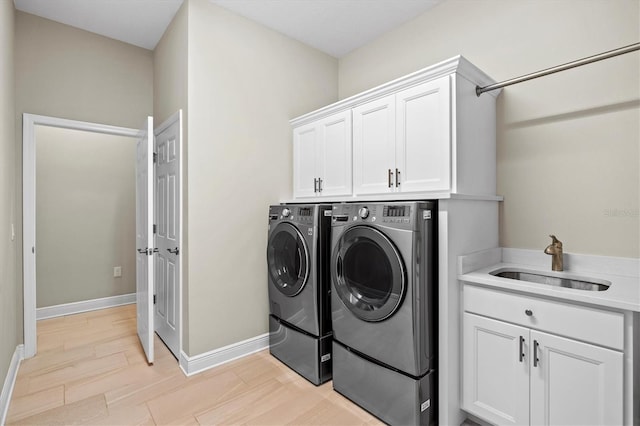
315 184
319 184
397 178
535 353
390 179
521 354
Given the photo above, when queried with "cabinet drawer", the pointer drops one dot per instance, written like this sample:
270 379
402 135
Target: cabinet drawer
597 326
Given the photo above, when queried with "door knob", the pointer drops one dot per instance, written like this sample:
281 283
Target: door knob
174 251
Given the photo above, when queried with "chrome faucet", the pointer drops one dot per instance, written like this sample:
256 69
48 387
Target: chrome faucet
555 250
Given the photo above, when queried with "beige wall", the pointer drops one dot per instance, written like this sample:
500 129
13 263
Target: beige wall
71 73
85 220
568 144
245 83
66 72
10 322
170 68
170 95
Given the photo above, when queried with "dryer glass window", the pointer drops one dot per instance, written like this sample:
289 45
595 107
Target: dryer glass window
368 273
288 259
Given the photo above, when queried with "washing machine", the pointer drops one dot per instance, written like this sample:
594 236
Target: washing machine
384 301
298 250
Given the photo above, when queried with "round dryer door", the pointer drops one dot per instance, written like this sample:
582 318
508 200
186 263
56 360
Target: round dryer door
368 273
288 259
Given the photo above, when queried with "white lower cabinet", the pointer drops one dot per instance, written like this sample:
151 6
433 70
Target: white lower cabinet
496 378
517 375
574 383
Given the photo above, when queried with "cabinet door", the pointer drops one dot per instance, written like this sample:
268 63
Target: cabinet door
574 383
495 370
423 141
305 147
334 155
374 146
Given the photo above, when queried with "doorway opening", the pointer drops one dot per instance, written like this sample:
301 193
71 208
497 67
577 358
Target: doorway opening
56 216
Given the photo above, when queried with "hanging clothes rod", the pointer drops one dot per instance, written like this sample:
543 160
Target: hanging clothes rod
558 68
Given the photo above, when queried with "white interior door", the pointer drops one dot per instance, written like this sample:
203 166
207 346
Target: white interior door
168 232
144 238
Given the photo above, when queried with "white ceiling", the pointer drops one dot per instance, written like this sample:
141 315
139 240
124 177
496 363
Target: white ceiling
335 27
137 22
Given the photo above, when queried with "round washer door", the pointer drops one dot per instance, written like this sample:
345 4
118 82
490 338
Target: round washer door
287 259
368 273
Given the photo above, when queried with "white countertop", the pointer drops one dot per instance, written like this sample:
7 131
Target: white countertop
393 197
622 273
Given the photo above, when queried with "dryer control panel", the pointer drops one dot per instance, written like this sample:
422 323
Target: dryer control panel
403 215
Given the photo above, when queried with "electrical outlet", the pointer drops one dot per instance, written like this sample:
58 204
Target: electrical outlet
117 271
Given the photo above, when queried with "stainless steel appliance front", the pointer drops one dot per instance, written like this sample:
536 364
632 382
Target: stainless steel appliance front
384 281
298 288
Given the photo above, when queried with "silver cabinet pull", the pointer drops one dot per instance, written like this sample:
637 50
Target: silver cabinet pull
315 184
521 354
397 178
319 184
536 360
390 177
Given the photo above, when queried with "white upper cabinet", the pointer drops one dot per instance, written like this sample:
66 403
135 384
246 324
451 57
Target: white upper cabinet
322 157
423 134
305 147
423 141
374 146
401 143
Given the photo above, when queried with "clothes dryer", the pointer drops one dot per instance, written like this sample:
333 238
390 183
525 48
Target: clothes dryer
384 283
299 285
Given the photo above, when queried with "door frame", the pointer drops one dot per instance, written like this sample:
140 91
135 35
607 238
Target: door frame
29 121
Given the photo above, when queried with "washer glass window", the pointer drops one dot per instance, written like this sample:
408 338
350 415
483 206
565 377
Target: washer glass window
288 259
368 273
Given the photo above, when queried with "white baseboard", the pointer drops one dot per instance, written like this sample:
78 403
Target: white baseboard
198 363
84 306
9 382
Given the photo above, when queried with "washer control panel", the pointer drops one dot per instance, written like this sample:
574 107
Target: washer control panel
298 214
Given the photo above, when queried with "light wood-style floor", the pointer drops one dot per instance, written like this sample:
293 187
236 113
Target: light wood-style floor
90 370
